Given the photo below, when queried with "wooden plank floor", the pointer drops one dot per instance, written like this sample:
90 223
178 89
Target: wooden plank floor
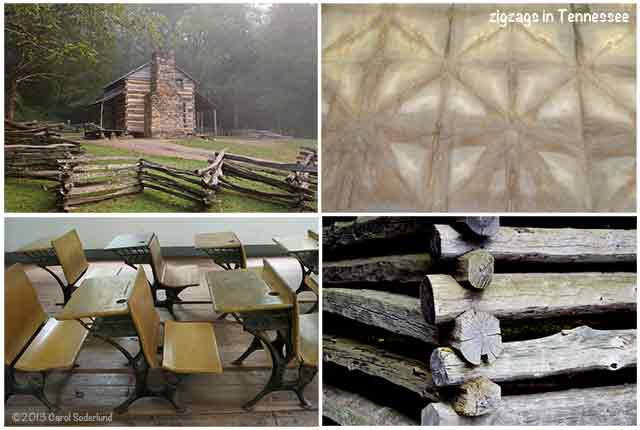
102 381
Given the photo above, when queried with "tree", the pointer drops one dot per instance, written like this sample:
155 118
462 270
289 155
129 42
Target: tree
50 41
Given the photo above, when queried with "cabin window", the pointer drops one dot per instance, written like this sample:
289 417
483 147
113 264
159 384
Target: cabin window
180 83
184 114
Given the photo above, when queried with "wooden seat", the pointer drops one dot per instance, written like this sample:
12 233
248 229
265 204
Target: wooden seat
180 276
33 341
74 263
188 347
56 346
304 332
170 278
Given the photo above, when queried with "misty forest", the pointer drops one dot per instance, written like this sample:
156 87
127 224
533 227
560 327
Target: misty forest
257 63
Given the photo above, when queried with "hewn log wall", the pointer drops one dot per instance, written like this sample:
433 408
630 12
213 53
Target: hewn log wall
378 271
614 405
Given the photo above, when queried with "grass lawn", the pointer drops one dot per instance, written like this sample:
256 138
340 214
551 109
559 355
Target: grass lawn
27 195
278 149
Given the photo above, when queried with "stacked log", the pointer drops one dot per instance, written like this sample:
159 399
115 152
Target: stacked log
293 185
31 133
32 150
472 323
94 179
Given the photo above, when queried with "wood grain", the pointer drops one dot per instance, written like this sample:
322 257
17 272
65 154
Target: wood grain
396 313
570 351
411 374
545 245
530 295
394 268
615 405
350 409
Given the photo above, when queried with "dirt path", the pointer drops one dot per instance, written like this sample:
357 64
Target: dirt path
158 147
167 148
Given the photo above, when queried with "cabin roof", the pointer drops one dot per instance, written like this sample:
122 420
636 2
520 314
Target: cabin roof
108 95
142 67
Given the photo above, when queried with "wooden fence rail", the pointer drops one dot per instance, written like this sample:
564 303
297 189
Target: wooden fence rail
84 179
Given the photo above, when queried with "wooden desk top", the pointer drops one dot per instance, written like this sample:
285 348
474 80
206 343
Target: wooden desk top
223 239
122 241
297 243
38 245
244 291
99 297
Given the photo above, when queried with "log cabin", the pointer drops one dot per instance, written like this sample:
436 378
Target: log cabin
156 99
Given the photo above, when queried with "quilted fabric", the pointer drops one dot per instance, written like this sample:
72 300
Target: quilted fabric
435 108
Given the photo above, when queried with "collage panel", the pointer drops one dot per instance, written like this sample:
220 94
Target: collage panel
161 321
160 107
479 108
460 321
174 256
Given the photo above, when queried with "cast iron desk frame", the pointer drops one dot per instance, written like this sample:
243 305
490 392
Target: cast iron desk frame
229 256
42 254
305 250
259 320
109 322
135 249
112 321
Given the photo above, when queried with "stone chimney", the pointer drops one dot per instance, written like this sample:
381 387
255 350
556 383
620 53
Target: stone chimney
163 71
164 107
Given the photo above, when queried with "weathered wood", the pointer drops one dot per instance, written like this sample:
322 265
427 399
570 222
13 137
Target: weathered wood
614 405
69 204
214 163
160 167
350 409
109 187
73 179
293 167
232 170
476 336
478 226
545 245
371 235
476 397
474 269
530 295
405 372
395 268
393 312
173 192
169 182
579 350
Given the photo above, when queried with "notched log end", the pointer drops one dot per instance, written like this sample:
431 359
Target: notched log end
477 337
477 396
437 364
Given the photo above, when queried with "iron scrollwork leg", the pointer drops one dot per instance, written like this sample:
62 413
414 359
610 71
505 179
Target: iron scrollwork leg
276 380
141 369
254 346
305 376
12 386
66 289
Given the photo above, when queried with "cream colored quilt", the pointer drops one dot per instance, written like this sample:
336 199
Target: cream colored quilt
435 108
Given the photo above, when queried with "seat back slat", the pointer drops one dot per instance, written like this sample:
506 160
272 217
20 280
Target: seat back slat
277 282
23 313
71 256
145 318
157 261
